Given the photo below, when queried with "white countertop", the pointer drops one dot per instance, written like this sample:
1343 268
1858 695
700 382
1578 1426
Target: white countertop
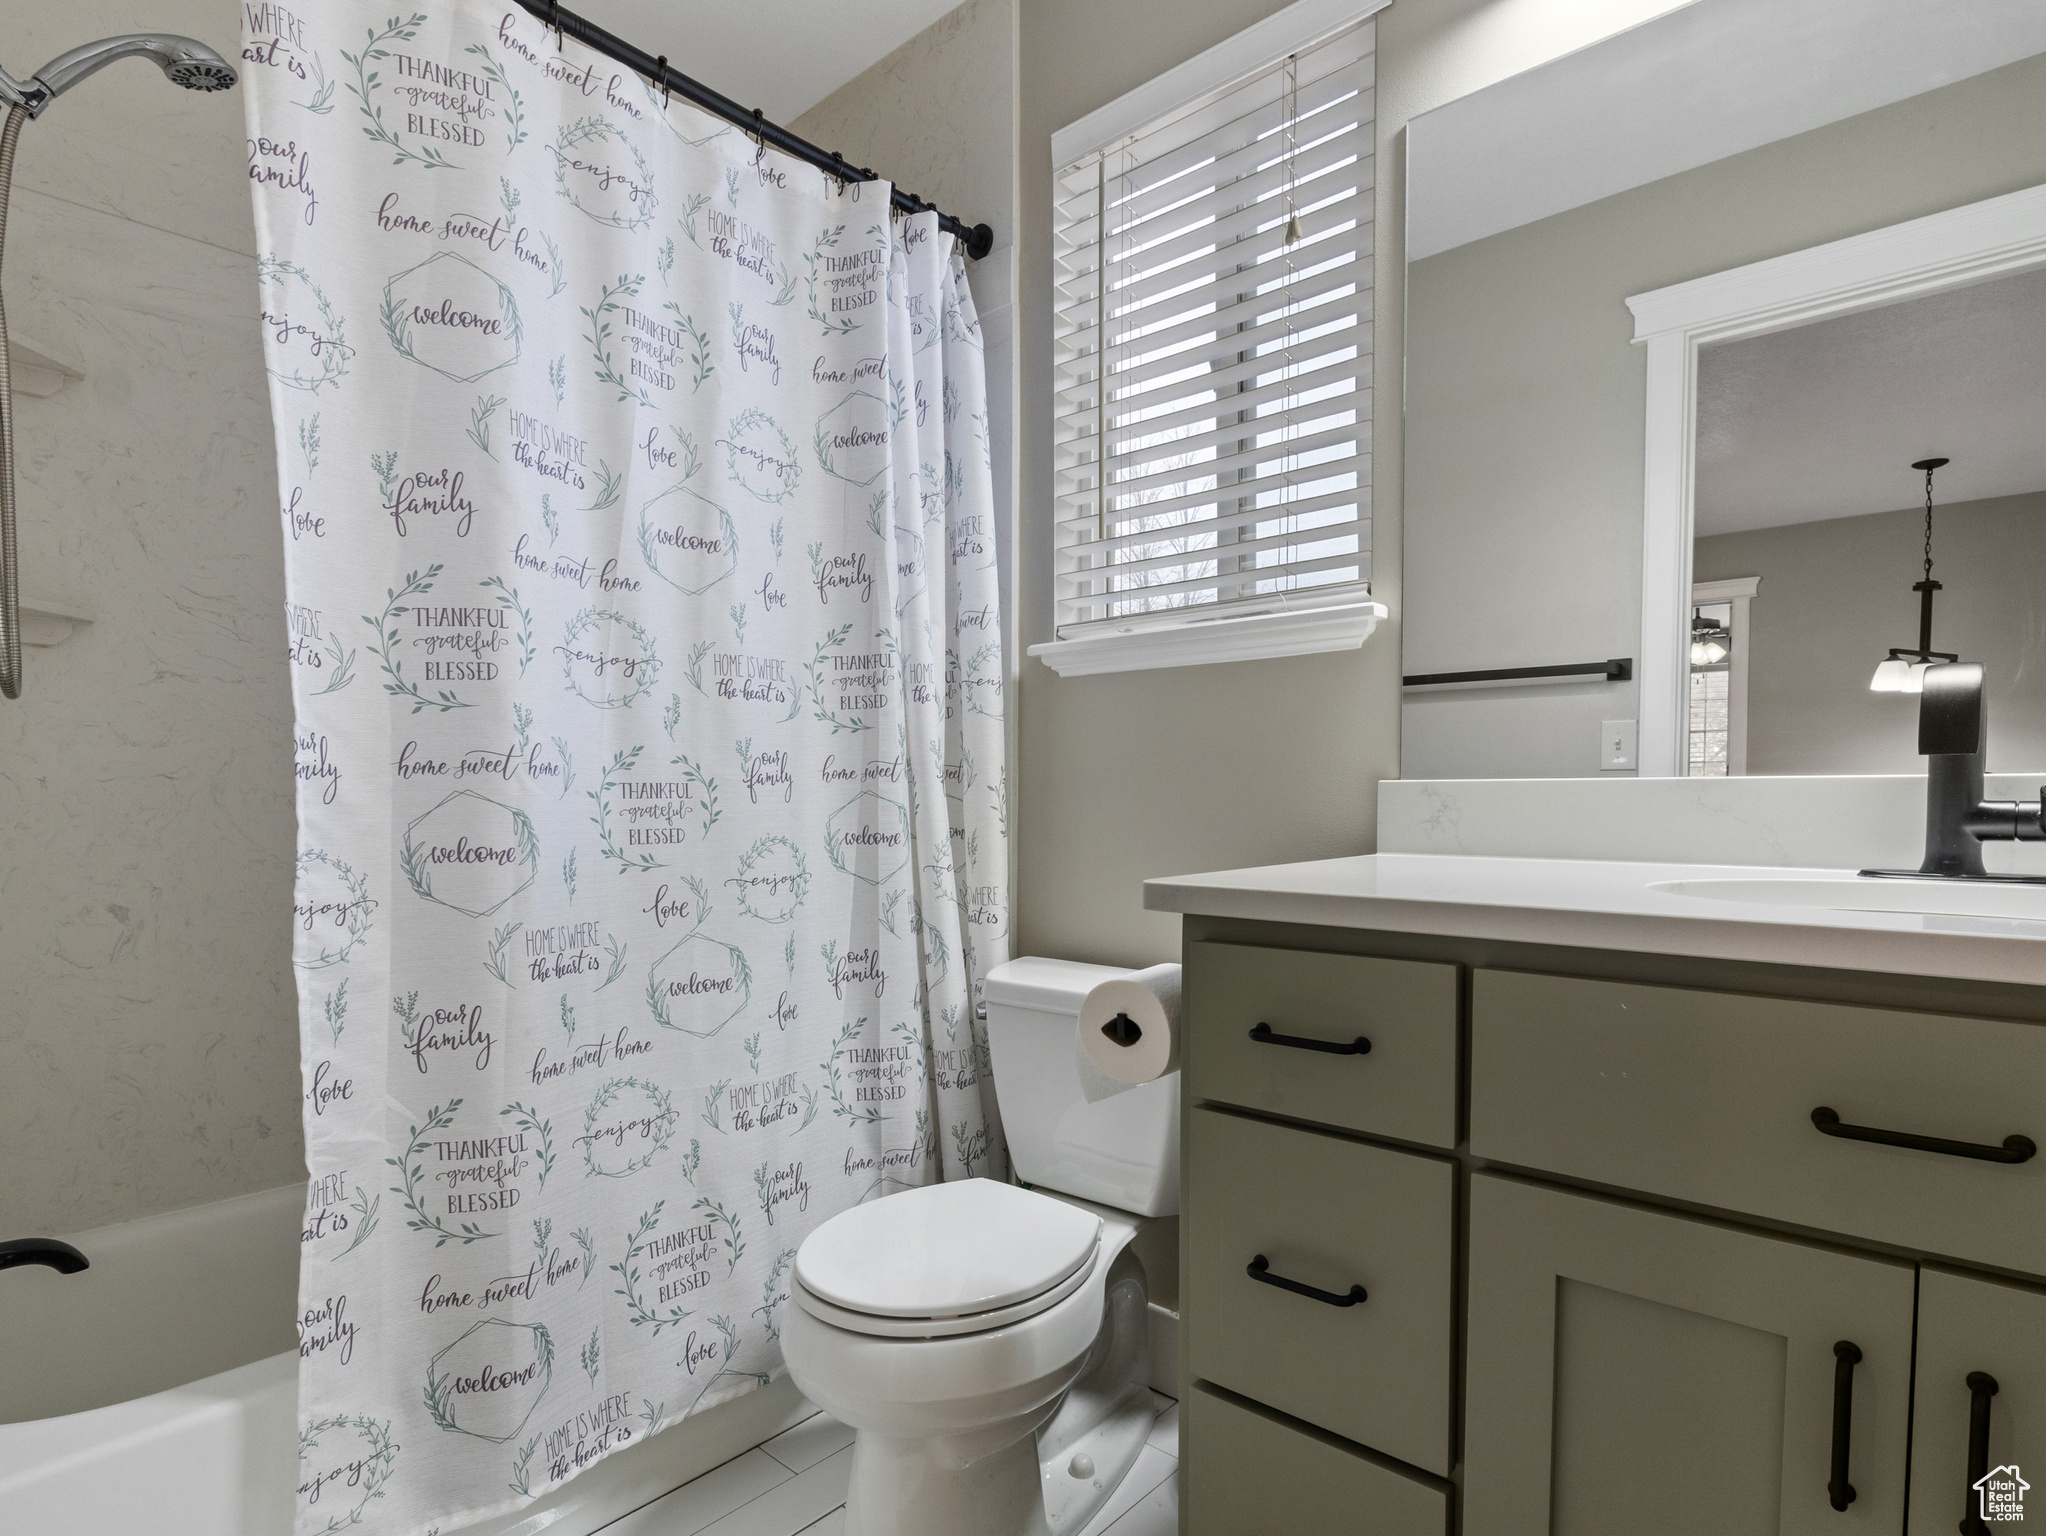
1597 904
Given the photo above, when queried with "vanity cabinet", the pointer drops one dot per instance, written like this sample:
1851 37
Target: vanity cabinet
1617 1276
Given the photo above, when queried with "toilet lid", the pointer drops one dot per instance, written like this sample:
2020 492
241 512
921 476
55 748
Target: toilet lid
946 1250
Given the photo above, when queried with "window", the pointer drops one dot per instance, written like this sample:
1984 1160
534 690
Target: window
1716 743
1213 298
1711 664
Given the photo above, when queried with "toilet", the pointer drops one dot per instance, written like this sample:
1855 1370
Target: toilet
988 1344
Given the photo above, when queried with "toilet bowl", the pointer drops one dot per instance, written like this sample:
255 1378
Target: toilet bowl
988 1343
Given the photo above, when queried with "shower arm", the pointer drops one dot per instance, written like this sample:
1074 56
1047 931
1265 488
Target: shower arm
31 95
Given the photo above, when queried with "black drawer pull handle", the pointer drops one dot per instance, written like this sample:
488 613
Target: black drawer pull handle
1981 1388
1845 1357
1260 1268
2015 1149
1262 1034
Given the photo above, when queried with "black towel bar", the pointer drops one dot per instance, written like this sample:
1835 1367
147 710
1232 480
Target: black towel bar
1618 669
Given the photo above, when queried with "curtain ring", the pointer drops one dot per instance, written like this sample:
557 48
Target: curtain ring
838 175
662 64
554 19
760 135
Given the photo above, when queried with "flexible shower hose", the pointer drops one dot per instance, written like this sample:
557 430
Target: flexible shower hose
10 569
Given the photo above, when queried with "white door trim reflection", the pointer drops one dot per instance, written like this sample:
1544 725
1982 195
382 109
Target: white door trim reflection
1994 238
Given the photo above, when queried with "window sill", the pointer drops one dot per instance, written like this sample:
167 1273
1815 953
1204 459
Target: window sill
1204 642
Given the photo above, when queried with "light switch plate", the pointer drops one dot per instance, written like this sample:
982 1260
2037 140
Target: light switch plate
1617 742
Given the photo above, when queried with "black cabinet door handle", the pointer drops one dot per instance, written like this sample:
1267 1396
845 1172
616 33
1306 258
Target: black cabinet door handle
1845 1357
1262 1034
1981 1388
1260 1268
2015 1149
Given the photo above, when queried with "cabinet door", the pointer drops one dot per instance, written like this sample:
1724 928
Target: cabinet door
1631 1370
1968 1325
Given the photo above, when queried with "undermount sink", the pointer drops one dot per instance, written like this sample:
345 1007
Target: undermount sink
1850 893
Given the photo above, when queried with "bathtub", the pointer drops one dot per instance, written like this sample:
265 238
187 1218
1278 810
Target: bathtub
158 1391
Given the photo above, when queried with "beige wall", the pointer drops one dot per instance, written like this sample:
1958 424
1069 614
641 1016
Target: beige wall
1149 773
1836 596
1525 400
1154 773
148 1039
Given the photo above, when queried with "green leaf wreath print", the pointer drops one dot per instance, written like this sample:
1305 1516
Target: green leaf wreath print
629 1122
412 1169
305 327
344 1461
607 666
385 626
368 81
600 170
638 1311
332 908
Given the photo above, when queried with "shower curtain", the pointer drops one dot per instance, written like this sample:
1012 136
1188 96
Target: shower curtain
645 640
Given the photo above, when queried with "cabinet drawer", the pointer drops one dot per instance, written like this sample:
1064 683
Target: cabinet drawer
1248 1474
1405 1086
1708 1097
1332 1214
1968 1324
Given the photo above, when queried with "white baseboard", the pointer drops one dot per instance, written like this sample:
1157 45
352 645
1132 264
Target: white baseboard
1164 1351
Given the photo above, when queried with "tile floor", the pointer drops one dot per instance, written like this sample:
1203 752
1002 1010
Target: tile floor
796 1484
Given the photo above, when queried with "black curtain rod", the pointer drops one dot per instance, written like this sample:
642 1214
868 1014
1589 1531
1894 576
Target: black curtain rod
978 239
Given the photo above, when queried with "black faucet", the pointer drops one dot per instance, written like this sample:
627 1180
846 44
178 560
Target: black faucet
60 1256
1953 737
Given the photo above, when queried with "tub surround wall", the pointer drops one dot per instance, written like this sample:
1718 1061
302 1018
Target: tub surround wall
148 1044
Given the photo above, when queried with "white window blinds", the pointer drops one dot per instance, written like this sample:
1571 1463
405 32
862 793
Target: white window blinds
1213 293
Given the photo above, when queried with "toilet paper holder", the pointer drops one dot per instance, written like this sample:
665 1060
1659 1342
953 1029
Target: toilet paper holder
1123 1030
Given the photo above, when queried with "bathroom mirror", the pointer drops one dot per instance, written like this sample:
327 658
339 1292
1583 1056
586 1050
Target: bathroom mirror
1821 586
1683 310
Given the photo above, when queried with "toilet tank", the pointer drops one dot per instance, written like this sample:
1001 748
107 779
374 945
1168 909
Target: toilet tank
1071 1128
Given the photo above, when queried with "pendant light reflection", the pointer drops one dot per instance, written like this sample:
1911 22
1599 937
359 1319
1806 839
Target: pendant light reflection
1903 670
1897 675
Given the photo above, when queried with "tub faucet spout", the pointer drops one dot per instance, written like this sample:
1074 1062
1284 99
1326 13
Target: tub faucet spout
60 1256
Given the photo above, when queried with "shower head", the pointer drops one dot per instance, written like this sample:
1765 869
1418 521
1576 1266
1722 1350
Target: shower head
183 60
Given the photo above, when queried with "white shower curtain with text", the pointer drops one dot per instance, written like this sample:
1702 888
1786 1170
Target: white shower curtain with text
646 650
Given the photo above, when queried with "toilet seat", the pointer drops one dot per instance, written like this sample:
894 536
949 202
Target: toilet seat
944 1260
938 1327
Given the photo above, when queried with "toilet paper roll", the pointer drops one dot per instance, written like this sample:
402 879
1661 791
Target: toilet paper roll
1129 1027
